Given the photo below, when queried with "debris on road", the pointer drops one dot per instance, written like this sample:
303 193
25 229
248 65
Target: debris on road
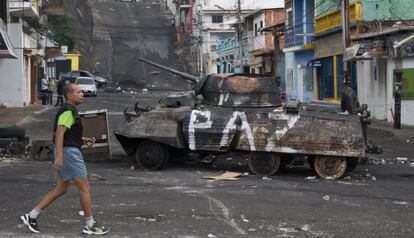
305 228
232 176
311 178
252 229
244 218
326 198
373 178
347 178
211 236
412 164
145 90
96 177
81 213
266 178
402 160
400 203
245 174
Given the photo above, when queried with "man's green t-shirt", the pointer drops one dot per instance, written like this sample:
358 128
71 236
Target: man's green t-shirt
66 119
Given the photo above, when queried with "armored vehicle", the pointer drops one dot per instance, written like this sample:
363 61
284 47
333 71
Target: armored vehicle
243 114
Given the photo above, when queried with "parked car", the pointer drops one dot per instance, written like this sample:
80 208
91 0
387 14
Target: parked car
87 84
71 76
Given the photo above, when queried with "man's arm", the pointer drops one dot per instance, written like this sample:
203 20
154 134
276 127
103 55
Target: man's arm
60 132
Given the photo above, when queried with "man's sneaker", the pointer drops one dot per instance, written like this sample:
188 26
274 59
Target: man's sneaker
95 229
30 223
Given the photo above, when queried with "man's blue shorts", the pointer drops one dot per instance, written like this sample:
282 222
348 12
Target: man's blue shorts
73 164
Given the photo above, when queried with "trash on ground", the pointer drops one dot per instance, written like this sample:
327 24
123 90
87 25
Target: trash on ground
412 164
252 229
211 236
232 176
97 177
266 178
402 160
145 90
245 174
305 228
244 218
326 198
310 178
400 203
132 167
347 178
81 213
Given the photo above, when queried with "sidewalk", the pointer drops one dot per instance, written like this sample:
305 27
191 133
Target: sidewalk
17 115
406 133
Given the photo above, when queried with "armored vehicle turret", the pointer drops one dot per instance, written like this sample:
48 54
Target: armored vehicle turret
243 114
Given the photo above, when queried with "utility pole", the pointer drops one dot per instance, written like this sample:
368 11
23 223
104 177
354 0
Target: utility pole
240 34
200 38
346 38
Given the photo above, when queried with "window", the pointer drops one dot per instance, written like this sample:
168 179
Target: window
3 11
255 29
261 27
217 19
289 17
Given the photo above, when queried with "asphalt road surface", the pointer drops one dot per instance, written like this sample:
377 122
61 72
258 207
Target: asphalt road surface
372 201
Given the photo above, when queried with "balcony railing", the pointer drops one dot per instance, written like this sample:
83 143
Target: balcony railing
24 8
291 39
53 7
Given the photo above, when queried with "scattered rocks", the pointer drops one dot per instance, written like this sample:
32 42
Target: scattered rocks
400 203
252 229
244 218
96 177
305 228
326 198
402 160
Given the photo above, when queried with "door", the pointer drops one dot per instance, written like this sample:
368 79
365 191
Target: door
33 80
300 83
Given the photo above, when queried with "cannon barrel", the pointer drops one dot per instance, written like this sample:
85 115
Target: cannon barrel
190 77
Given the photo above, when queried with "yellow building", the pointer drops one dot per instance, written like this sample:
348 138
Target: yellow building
74 59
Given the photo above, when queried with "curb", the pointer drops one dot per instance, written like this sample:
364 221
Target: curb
27 118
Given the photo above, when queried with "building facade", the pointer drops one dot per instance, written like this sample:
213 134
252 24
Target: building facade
299 50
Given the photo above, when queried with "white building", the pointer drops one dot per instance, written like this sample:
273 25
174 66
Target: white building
19 77
215 19
376 79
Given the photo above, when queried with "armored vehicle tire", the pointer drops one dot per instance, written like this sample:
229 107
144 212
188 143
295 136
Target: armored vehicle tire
262 163
152 155
330 167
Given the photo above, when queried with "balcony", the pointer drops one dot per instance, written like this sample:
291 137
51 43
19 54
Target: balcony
53 7
295 39
24 8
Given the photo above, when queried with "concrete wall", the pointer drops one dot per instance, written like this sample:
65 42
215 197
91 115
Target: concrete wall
393 10
245 4
14 91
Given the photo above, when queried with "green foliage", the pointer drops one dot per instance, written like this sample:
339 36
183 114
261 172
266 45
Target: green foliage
62 31
33 22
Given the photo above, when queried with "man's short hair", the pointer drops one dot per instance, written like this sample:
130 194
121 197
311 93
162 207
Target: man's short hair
68 88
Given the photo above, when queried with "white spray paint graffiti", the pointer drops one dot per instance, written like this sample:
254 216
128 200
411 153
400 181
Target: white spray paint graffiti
291 121
231 125
223 98
195 124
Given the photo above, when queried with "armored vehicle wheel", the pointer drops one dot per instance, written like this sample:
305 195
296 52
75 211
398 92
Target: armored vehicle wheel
330 167
152 155
263 163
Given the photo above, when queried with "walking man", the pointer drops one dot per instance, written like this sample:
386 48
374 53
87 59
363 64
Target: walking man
69 164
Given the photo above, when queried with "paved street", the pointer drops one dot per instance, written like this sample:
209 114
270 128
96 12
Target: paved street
374 201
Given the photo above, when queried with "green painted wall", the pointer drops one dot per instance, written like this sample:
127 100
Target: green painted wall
373 9
388 10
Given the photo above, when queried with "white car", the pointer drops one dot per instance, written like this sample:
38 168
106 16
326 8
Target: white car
88 86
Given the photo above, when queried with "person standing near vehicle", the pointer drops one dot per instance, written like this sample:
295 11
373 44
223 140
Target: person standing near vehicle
50 88
43 90
59 91
69 164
